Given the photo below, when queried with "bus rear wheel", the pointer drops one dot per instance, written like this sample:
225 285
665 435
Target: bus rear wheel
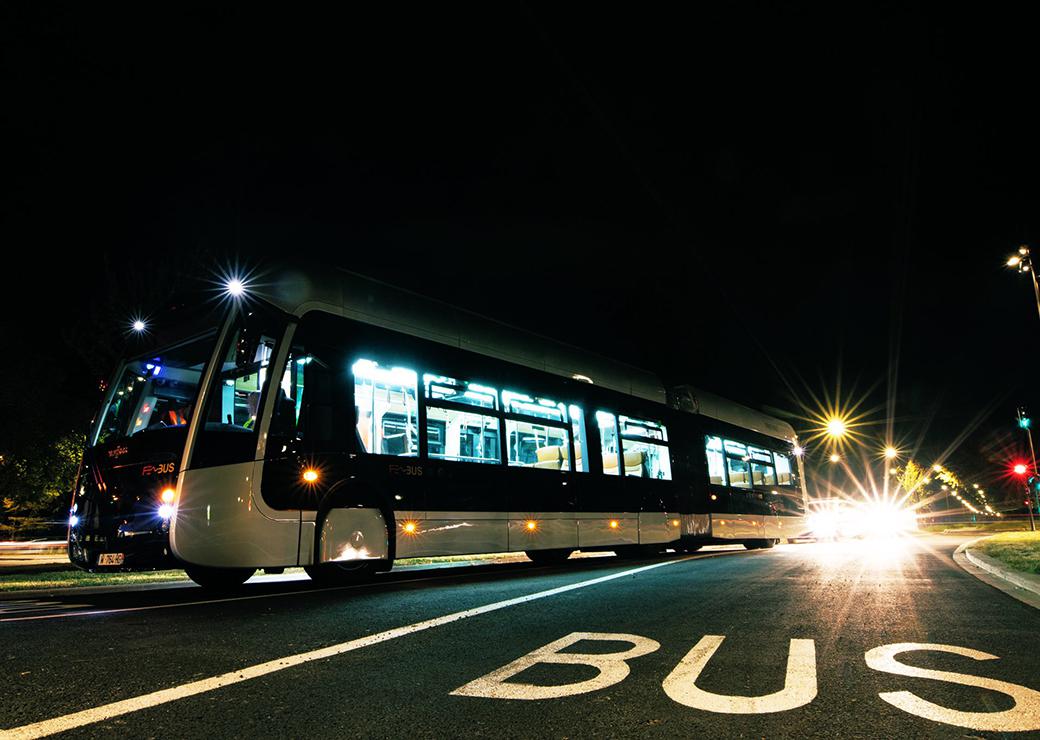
218 579
759 544
340 574
547 557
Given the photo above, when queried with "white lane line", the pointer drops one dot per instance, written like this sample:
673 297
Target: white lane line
116 709
200 602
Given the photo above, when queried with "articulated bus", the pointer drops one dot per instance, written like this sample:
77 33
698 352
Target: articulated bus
329 421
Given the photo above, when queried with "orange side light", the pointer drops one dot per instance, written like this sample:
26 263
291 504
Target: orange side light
531 526
167 495
409 527
614 524
310 475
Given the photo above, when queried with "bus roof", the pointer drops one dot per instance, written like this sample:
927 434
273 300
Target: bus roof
297 290
697 401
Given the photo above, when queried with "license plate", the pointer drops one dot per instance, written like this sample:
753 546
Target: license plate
110 558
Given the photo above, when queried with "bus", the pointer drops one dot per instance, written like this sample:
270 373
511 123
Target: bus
327 420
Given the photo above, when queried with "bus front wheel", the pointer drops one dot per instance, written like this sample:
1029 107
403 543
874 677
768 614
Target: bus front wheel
218 579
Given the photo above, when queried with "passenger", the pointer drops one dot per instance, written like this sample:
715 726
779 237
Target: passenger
253 403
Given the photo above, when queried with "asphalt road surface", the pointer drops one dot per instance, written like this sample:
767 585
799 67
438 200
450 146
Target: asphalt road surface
858 639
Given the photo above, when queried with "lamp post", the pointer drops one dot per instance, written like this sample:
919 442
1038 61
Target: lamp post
1024 263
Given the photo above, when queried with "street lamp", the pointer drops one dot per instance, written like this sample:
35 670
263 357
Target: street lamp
836 427
1024 263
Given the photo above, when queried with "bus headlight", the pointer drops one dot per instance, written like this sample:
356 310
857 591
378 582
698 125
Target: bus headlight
166 511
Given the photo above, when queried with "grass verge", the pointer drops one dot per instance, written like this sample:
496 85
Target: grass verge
1017 550
996 526
76 577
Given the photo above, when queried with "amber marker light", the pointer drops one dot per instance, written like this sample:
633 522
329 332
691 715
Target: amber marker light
310 475
531 526
167 495
409 527
614 524
675 522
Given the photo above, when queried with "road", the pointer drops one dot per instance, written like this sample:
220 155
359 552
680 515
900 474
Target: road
434 653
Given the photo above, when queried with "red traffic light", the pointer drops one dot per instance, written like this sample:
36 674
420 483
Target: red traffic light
1020 469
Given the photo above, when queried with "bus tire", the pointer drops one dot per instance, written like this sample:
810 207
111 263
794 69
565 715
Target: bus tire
548 557
218 579
689 548
341 574
634 552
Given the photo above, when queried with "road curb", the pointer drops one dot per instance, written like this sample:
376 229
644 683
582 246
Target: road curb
1023 586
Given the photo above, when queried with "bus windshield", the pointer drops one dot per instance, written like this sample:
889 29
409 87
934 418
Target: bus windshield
155 392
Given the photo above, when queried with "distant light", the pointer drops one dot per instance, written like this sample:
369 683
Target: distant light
409 527
714 497
139 326
310 475
1020 469
614 524
835 457
1024 422
836 427
937 468
1013 261
73 520
166 511
167 495
235 287
531 526
798 450
891 453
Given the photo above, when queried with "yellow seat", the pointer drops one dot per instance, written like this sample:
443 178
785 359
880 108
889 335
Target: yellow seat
566 457
633 462
549 458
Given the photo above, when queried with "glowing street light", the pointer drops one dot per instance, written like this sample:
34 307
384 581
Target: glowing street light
836 427
1024 263
235 287
891 453
835 457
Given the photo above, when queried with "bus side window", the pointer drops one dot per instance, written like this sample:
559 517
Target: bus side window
716 465
608 439
386 408
580 442
645 447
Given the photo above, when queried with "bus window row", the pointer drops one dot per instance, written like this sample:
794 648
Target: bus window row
741 465
465 422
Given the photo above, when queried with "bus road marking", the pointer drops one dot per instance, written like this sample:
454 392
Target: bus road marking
193 688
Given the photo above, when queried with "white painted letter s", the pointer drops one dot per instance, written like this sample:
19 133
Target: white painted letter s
1024 716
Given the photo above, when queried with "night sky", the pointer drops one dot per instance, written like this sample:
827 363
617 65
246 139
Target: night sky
756 199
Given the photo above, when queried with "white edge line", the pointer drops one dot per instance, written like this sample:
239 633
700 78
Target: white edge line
126 706
201 602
